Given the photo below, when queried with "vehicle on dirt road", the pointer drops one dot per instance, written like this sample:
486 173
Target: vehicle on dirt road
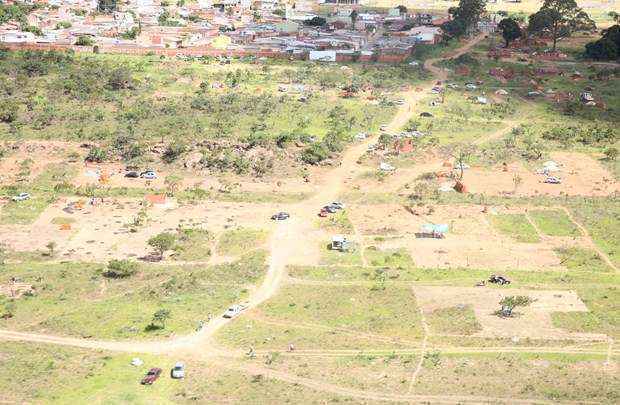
338 205
149 175
501 280
21 197
178 371
330 209
426 114
132 175
323 213
553 180
233 311
280 216
151 376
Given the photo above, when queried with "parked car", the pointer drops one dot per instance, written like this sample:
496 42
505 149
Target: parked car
534 94
151 376
178 371
330 209
323 213
233 311
471 86
414 63
436 90
553 180
21 197
280 216
149 175
426 114
383 127
453 85
400 102
338 205
132 175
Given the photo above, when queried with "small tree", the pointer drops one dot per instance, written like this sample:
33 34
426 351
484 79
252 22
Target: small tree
510 30
120 269
162 242
84 40
516 182
559 19
511 302
51 246
160 317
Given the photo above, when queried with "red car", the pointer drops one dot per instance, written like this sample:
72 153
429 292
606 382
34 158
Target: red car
323 213
151 376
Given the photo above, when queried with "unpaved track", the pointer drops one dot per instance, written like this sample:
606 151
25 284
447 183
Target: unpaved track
288 240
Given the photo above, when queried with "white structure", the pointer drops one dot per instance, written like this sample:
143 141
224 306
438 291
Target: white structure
16 37
323 56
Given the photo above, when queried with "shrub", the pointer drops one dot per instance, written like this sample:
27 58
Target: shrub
120 269
173 151
96 154
315 153
120 78
84 40
8 111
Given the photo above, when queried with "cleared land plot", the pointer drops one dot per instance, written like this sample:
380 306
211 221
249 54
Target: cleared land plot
75 299
235 242
533 321
106 230
580 174
472 241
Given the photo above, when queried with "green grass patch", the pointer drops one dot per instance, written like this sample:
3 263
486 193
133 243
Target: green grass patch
75 299
516 226
358 308
193 245
460 320
393 258
236 242
554 223
580 259
338 222
334 257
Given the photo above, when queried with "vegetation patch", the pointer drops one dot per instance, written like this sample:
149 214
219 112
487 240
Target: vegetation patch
193 244
516 226
236 242
581 259
75 299
392 258
460 320
554 223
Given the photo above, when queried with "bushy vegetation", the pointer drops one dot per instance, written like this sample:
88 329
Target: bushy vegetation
235 116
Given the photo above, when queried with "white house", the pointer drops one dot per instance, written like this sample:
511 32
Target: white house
15 37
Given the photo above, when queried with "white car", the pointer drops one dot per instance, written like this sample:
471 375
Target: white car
471 86
553 180
21 197
178 371
233 311
453 85
400 102
414 63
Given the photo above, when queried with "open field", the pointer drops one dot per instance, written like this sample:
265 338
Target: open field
98 268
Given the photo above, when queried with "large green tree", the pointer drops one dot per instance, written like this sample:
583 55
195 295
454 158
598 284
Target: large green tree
559 19
606 48
464 17
510 30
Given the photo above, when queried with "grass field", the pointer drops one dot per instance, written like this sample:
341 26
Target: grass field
75 299
516 226
554 223
236 242
453 320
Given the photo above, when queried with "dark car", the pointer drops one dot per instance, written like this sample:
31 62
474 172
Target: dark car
133 175
330 208
280 216
425 114
151 376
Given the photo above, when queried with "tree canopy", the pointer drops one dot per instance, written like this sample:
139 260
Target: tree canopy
510 30
559 19
606 48
464 17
